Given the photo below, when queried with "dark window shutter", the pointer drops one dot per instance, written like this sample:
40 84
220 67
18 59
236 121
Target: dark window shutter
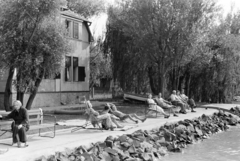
67 24
81 74
57 76
75 62
67 61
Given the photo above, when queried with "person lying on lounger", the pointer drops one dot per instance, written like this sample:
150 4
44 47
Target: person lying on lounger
122 116
94 117
153 106
165 104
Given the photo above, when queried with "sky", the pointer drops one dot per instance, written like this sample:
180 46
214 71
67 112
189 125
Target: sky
98 26
227 4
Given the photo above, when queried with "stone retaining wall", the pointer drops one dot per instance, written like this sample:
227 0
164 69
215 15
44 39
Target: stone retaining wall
149 145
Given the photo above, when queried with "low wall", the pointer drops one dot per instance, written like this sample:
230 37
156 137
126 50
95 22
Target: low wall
150 145
50 99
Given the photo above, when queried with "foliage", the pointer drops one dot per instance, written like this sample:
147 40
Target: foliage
100 64
86 8
154 39
32 40
217 78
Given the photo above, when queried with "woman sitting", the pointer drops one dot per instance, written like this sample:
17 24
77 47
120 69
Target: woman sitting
123 116
165 104
107 119
153 106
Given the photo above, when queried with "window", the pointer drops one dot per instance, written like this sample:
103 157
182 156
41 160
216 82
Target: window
57 76
68 27
81 74
68 68
75 69
75 30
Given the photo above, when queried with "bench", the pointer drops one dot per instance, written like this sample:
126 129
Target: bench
35 122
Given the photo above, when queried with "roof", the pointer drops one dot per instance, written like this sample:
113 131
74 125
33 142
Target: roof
87 23
73 15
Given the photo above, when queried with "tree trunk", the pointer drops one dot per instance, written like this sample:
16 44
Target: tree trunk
188 86
34 92
178 79
20 96
151 80
20 93
162 78
162 85
8 90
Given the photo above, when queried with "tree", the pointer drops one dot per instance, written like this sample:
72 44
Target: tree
33 42
100 64
154 38
86 8
217 78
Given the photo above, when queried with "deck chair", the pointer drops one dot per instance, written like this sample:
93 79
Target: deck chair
153 110
93 120
150 110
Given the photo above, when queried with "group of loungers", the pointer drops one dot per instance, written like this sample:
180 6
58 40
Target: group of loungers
177 99
109 118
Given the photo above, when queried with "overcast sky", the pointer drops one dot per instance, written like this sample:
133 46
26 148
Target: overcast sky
227 4
99 23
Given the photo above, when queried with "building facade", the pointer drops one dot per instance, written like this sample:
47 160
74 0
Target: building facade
73 81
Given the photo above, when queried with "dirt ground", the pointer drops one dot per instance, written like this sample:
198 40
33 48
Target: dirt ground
128 108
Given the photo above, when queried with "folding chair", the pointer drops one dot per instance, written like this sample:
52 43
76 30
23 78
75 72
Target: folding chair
93 120
151 110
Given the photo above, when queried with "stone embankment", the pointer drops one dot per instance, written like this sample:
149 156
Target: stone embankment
150 145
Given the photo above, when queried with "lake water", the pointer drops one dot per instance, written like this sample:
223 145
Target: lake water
224 146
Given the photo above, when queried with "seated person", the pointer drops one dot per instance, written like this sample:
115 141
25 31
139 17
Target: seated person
190 101
155 107
182 100
123 116
177 102
165 104
107 119
20 125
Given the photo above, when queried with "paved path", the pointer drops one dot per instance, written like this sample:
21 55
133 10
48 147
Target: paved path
42 146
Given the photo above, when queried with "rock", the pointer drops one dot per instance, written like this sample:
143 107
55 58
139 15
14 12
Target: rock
150 145
232 121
